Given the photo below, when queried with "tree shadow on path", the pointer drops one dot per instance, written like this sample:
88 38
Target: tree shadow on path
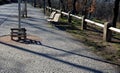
35 42
53 58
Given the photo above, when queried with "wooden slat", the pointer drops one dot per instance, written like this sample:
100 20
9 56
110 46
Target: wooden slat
65 13
92 22
115 29
78 17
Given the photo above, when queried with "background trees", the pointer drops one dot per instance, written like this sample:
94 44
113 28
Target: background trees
105 10
49 3
93 9
116 10
4 1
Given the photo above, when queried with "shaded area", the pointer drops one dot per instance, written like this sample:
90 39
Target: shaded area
64 26
2 20
28 41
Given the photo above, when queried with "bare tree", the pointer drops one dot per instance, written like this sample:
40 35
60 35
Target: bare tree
49 3
116 10
35 3
62 4
74 7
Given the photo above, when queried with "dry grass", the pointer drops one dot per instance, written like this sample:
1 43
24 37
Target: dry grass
93 38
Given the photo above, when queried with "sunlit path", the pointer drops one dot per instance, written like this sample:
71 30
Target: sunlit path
48 50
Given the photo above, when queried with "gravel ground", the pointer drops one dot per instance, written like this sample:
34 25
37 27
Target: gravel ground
51 51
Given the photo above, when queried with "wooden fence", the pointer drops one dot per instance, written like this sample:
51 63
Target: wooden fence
107 27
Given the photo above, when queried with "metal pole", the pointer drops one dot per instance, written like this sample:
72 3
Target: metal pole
19 13
44 5
26 8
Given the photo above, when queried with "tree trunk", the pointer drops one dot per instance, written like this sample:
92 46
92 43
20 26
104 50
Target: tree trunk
63 6
49 3
59 4
44 5
84 10
115 10
34 3
74 6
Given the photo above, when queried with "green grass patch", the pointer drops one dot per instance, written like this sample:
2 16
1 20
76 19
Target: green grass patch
99 21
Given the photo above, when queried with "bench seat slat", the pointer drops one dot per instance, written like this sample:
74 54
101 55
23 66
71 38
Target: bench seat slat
55 19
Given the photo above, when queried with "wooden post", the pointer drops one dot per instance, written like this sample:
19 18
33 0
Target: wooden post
47 8
69 17
107 35
83 23
51 10
25 8
61 13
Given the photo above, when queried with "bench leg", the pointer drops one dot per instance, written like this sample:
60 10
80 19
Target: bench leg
12 37
25 37
19 38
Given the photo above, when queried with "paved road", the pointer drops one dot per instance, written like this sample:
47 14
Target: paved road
55 52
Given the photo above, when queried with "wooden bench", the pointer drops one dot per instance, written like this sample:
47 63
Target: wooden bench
52 15
55 18
20 33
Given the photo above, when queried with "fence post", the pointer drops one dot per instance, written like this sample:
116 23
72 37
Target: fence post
51 10
46 9
61 13
84 24
107 34
69 17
